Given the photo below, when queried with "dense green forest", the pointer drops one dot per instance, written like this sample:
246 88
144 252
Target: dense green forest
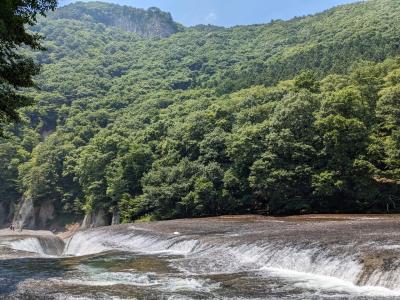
299 116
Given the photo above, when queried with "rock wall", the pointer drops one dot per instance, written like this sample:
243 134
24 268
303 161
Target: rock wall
116 219
3 214
148 23
25 215
44 214
96 218
33 216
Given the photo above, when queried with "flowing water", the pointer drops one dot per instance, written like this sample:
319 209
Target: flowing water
320 257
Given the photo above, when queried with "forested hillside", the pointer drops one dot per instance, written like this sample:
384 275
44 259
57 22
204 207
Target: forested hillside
290 117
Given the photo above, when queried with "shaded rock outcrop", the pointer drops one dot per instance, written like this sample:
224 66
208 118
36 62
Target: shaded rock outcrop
33 215
95 218
116 218
147 23
3 214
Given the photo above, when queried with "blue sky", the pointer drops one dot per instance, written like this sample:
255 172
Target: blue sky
231 12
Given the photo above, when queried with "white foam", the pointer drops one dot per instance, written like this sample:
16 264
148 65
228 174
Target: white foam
110 279
86 243
227 258
42 246
69 297
32 245
331 284
216 257
167 283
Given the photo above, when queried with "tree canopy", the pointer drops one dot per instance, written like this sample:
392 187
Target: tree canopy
289 117
16 69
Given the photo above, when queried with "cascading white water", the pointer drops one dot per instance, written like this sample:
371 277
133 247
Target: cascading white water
342 269
330 284
32 245
313 261
44 246
92 242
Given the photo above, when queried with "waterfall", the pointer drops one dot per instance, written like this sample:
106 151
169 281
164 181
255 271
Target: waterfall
32 245
96 241
44 246
356 266
218 255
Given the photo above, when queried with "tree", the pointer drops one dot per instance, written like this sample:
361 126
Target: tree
343 143
306 80
11 155
281 178
16 70
388 112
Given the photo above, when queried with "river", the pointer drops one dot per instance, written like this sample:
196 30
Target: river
311 257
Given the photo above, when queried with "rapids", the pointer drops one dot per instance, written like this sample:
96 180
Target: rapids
324 257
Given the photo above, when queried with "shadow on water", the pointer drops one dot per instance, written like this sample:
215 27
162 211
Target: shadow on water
15 271
64 277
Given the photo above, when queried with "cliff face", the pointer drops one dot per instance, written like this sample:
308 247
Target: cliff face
147 23
33 216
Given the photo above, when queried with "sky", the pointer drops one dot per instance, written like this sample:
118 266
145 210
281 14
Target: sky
231 12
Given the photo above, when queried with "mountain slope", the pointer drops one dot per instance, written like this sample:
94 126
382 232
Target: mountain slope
286 117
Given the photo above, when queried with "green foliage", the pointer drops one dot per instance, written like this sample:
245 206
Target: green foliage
11 156
17 69
289 117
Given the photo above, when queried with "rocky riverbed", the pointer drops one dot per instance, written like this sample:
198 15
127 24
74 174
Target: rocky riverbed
246 257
